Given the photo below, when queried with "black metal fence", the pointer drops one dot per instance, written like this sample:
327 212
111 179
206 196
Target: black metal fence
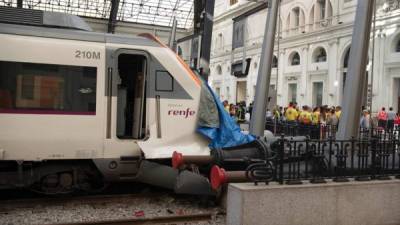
327 131
293 161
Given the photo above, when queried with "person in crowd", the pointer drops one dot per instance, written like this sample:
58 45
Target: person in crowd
232 110
298 111
328 114
241 112
333 122
397 121
250 109
316 116
291 113
391 116
283 118
338 111
382 118
276 113
305 120
322 115
280 111
315 121
226 105
322 122
305 116
269 116
365 122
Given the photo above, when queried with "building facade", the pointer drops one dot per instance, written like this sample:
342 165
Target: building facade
311 51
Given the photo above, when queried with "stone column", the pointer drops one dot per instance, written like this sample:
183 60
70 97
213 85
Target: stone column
326 9
302 20
379 87
292 22
233 90
317 15
304 92
281 87
333 65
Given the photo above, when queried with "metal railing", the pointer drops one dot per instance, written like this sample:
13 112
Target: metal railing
326 131
293 161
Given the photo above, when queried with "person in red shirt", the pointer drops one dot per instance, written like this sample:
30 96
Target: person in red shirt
397 120
382 118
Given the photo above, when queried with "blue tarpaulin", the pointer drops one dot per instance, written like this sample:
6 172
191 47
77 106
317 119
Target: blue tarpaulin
228 134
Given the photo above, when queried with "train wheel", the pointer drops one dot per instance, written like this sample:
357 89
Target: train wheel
55 184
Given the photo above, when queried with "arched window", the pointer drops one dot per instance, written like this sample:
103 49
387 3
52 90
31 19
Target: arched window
321 13
311 18
296 14
220 42
288 23
322 8
295 59
319 55
346 59
397 47
219 70
274 62
296 20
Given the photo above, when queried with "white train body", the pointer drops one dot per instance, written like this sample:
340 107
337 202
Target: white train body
29 135
72 95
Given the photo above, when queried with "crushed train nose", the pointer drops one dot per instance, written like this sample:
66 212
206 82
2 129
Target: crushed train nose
184 182
192 183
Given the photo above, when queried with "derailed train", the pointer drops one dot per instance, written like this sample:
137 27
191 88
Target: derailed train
80 109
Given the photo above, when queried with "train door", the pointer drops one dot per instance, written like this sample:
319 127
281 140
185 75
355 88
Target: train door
125 102
130 119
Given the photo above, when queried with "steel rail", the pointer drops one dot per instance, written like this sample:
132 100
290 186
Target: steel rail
151 220
12 204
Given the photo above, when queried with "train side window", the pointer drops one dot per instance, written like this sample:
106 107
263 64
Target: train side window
131 96
37 88
164 81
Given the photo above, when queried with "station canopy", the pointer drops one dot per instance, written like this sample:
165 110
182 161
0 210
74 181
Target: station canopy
153 12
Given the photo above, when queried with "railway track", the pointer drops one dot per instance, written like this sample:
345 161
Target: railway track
153 220
153 208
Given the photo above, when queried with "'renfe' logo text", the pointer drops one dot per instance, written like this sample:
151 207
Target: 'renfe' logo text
185 113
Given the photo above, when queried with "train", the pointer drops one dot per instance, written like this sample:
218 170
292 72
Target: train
80 109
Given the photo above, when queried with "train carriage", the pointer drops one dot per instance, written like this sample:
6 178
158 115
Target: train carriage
76 105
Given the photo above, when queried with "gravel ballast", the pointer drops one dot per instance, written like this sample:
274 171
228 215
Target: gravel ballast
122 208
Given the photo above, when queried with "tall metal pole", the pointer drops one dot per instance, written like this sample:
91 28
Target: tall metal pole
349 121
373 59
257 122
20 3
172 36
112 20
205 49
278 53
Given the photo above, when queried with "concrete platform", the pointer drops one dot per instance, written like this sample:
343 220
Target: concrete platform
351 203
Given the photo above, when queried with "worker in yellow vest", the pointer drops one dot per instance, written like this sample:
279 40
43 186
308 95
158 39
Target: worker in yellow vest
305 116
338 111
291 113
316 116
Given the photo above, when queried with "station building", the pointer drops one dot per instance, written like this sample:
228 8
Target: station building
311 52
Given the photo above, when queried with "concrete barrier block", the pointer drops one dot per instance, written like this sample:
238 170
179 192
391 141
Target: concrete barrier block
351 203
